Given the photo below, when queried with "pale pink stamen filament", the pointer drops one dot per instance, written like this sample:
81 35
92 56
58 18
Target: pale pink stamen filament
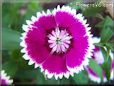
59 40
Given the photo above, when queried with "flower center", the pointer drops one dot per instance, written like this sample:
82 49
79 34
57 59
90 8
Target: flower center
59 40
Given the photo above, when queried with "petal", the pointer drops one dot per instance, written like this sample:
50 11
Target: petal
35 41
5 80
25 27
112 65
55 64
76 54
71 23
54 48
46 22
90 71
98 56
92 75
64 19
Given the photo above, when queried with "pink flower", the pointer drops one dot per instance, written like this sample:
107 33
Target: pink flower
59 42
4 79
98 57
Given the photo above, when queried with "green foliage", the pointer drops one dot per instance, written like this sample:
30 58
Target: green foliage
106 34
107 62
95 67
106 22
107 29
10 39
105 53
32 9
10 67
110 46
81 78
15 14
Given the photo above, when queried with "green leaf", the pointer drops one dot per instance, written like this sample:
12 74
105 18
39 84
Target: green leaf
27 74
106 27
64 81
51 81
10 39
100 25
106 67
43 80
81 78
107 61
32 9
99 44
107 22
16 56
96 68
110 45
99 16
92 10
10 67
106 34
105 53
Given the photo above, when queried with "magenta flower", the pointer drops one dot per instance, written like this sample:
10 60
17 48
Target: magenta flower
112 69
4 79
59 42
98 57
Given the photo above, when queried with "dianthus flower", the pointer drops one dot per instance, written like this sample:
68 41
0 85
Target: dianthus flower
99 58
4 79
59 42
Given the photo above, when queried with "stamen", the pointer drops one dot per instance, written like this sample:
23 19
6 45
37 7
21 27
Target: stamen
59 40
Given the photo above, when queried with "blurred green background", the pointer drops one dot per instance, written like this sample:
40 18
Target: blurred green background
15 13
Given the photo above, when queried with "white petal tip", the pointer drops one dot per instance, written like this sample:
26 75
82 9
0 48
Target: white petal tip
30 62
36 65
26 57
